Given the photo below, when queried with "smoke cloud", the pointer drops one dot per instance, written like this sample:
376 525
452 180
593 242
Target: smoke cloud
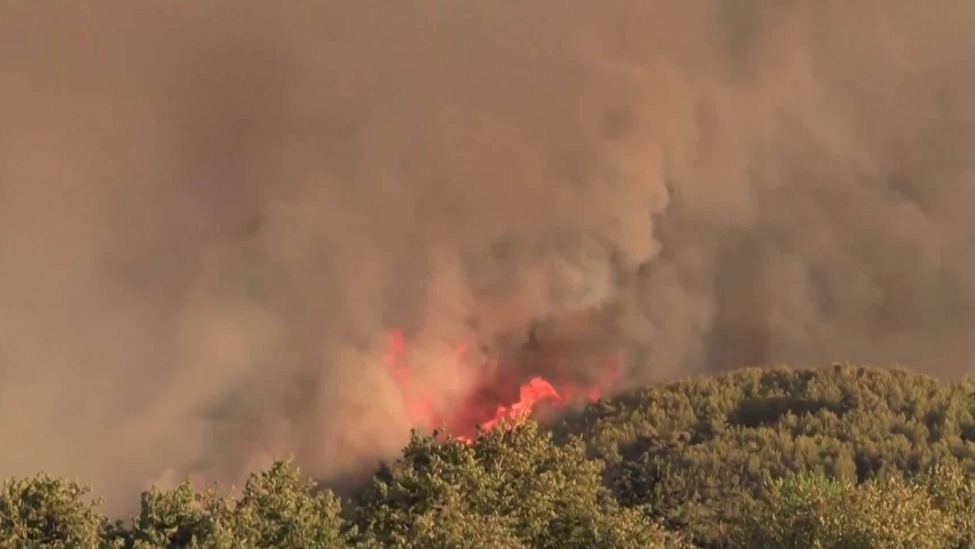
213 213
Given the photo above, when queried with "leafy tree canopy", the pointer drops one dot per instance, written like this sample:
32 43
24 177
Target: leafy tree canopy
698 451
44 511
510 488
842 457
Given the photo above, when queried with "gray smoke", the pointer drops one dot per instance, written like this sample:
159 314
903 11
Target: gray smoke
212 214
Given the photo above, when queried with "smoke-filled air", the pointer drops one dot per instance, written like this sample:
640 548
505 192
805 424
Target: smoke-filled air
237 231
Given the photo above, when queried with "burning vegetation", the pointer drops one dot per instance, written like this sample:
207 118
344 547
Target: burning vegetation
544 376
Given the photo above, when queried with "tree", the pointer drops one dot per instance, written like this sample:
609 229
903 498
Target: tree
864 457
280 509
696 451
932 512
510 488
799 511
180 518
44 511
277 508
952 491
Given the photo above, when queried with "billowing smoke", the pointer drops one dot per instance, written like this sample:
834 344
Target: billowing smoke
212 214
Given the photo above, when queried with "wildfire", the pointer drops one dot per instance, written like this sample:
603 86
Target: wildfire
421 411
531 393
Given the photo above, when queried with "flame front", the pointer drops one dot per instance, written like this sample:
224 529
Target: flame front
421 411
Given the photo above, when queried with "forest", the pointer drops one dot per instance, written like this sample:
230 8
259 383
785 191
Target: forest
844 456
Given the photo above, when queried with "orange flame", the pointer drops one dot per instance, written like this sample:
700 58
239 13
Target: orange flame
421 412
531 394
418 409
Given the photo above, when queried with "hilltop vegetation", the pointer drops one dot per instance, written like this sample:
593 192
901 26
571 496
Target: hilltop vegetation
843 457
699 452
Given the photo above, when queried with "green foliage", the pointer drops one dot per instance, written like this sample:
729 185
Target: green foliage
896 513
279 509
698 451
799 511
48 512
511 488
180 518
276 509
842 457
814 511
952 491
931 511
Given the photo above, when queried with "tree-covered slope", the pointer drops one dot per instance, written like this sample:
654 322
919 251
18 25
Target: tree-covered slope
699 450
841 457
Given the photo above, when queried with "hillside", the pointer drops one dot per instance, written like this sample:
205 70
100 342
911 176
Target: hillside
698 450
842 456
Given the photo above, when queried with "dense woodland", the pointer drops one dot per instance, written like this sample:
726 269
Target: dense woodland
840 457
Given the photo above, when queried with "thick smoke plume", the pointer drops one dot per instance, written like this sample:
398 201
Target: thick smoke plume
213 213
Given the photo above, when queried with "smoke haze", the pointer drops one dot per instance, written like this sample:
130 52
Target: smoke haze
213 213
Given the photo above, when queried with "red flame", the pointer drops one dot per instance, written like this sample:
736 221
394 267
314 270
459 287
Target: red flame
422 413
418 409
531 393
